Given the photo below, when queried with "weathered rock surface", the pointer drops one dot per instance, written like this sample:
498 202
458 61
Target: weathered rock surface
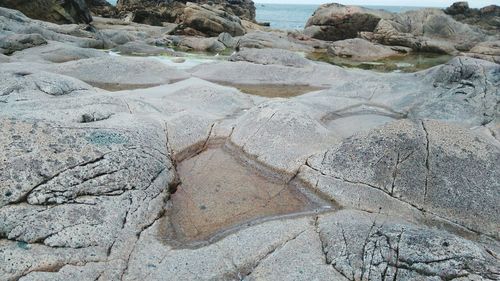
429 165
57 52
69 11
116 185
487 18
363 50
120 72
15 23
362 246
270 56
428 30
334 22
209 21
18 42
489 50
276 40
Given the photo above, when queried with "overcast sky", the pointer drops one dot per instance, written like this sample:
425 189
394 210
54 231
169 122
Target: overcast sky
415 3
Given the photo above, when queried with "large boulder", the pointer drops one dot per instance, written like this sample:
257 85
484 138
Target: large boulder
67 11
334 22
209 21
428 30
201 17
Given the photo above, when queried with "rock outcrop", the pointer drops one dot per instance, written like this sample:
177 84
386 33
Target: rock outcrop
334 22
68 11
456 29
208 21
206 18
487 18
428 30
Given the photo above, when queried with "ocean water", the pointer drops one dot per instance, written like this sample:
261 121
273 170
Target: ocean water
293 16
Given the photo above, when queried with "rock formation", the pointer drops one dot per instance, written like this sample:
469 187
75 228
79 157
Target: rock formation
334 22
67 11
115 167
206 18
454 30
487 18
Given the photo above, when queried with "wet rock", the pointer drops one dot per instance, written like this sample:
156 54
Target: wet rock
334 22
200 217
18 42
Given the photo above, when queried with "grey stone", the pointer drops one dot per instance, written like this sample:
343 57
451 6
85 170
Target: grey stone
270 56
18 42
429 165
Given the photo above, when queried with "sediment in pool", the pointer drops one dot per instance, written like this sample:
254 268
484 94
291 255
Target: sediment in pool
219 194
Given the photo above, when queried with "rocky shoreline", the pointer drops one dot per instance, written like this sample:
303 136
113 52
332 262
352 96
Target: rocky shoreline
123 158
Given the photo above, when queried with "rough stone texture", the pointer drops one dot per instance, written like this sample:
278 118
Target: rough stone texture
487 17
279 136
362 50
141 48
210 21
270 56
489 50
101 184
68 11
432 166
87 176
363 246
14 22
57 52
18 42
276 40
427 30
334 22
211 44
121 72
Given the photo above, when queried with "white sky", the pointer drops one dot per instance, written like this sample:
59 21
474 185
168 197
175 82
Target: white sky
415 3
